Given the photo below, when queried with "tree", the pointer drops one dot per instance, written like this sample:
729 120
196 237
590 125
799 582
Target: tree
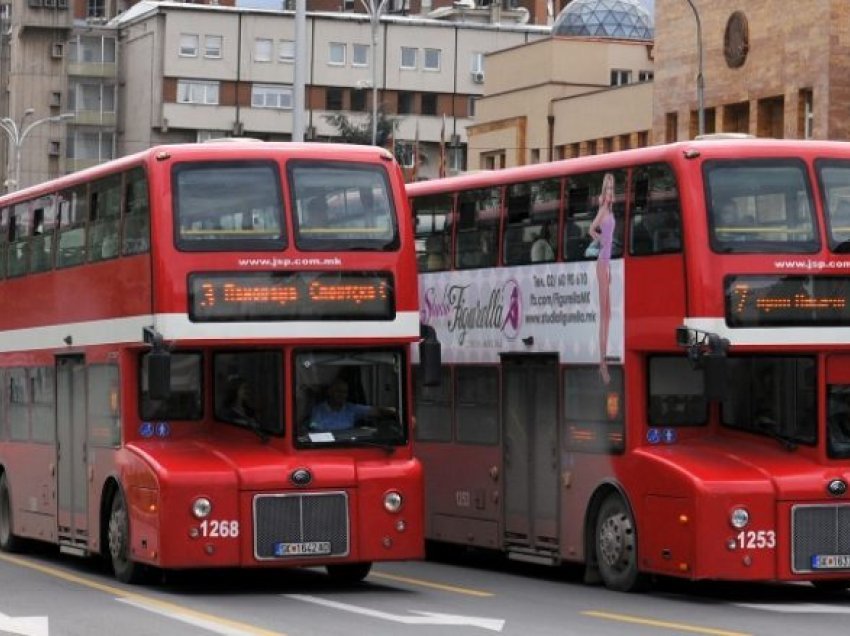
350 132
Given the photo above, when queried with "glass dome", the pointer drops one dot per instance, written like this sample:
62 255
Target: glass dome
620 19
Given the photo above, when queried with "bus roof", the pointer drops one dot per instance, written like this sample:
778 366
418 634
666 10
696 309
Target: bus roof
716 146
214 149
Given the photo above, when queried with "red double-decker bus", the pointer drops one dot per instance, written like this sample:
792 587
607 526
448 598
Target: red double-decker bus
204 360
646 361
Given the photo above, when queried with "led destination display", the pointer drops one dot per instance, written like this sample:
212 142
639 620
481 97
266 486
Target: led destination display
787 301
216 297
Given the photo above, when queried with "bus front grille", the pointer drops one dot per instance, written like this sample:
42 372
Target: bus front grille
301 525
821 538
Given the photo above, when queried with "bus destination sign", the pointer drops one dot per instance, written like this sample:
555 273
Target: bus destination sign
266 296
787 301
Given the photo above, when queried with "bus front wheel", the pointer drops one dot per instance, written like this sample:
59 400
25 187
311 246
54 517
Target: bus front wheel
349 572
8 541
616 546
118 532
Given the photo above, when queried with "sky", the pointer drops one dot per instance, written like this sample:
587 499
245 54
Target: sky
277 4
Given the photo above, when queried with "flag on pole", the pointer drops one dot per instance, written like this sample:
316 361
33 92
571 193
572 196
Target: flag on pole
415 153
442 171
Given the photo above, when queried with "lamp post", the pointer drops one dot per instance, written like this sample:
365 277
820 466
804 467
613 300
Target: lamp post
700 81
17 134
375 8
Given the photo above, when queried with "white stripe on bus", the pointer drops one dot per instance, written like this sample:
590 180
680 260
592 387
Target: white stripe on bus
179 327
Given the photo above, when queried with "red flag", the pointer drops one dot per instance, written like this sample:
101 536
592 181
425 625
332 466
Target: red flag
416 153
442 172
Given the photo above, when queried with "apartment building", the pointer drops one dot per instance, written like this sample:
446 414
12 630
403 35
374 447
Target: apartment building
134 74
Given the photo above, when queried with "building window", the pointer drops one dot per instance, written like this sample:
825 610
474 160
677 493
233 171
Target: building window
405 103
96 8
92 50
286 51
188 45
429 103
805 108
333 99
91 96
195 92
408 57
432 60
262 50
212 46
336 53
671 127
271 96
646 76
359 55
471 105
90 145
619 77
358 100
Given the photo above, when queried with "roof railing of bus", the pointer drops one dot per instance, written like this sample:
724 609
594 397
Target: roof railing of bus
723 135
218 140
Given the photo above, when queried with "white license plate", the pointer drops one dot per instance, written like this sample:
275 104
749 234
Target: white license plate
831 562
307 547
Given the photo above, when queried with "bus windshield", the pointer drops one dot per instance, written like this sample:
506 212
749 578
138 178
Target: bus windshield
350 397
342 206
228 206
760 206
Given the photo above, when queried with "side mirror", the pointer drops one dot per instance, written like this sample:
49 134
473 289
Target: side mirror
159 375
429 356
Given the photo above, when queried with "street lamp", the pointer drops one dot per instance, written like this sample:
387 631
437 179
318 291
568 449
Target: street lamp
17 134
700 82
375 8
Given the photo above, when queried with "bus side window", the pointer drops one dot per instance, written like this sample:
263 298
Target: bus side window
105 213
19 246
71 241
4 239
655 223
42 241
136 213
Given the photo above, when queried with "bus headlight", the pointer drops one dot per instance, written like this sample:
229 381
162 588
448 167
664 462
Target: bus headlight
393 501
739 518
201 508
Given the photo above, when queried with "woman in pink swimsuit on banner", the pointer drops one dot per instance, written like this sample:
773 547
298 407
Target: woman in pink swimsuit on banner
602 231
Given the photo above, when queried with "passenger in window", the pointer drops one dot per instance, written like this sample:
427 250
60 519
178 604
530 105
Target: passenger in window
336 413
238 405
317 213
602 232
542 250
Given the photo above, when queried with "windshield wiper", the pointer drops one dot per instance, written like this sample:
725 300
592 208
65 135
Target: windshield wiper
788 443
388 448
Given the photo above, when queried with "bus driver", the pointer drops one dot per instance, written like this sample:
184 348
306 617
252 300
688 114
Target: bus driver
336 413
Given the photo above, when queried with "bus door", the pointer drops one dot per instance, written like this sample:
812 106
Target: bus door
530 446
71 453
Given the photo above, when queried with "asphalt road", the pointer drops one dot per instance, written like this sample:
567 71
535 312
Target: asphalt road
43 593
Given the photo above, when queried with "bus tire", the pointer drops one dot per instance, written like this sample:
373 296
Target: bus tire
118 534
616 546
349 572
8 541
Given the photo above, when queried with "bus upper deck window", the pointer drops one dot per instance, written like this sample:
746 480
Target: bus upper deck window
228 206
342 206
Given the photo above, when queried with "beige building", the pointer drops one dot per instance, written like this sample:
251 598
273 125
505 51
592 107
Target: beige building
586 89
562 97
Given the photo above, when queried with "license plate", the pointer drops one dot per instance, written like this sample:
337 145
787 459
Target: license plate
831 562
307 547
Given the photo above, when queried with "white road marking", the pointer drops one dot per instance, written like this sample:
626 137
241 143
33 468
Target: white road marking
24 626
424 618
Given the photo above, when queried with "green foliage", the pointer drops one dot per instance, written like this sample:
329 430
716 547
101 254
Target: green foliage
350 132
